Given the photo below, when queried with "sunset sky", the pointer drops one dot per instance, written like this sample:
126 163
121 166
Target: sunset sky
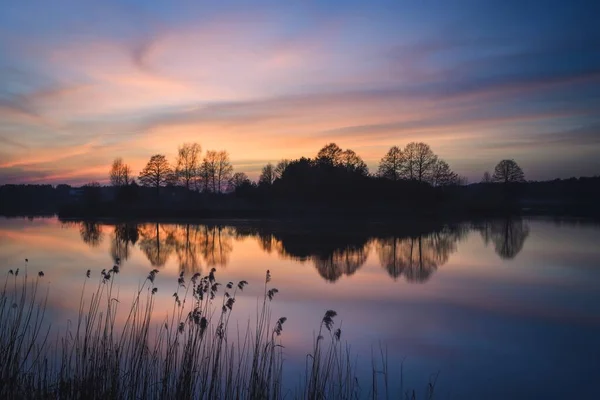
83 82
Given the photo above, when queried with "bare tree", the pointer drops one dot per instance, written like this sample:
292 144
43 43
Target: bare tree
238 180
353 163
280 167
188 164
267 176
156 173
120 173
508 171
487 177
207 171
330 154
419 161
216 171
392 165
442 175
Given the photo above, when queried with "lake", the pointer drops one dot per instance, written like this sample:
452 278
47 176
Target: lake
489 309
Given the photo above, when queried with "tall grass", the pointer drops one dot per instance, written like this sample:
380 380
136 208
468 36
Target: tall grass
192 353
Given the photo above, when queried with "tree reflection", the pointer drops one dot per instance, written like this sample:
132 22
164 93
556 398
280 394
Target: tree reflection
156 243
333 255
508 236
123 238
91 233
192 244
341 262
417 258
216 245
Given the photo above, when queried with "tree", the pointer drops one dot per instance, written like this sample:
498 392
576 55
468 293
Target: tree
238 180
223 170
156 173
419 161
330 154
353 163
120 173
267 176
216 171
442 175
188 164
280 167
392 165
508 171
207 171
487 177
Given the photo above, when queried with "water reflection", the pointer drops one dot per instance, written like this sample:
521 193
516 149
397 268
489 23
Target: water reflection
417 258
332 252
333 255
157 243
508 235
122 240
91 233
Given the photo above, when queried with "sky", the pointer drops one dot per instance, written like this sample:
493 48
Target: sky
83 82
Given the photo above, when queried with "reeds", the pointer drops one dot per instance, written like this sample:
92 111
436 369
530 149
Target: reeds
192 353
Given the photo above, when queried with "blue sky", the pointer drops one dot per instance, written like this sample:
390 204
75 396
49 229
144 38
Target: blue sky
83 82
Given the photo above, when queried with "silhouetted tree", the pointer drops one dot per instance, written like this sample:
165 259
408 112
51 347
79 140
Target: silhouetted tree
267 176
216 170
238 180
280 167
188 164
224 170
157 173
330 154
120 173
392 165
442 175
353 163
207 171
508 171
420 161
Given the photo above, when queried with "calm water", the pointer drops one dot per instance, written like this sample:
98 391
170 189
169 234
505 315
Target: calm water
506 308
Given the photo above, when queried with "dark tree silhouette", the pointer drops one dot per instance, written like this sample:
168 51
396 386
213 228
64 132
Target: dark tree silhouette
157 173
216 171
280 167
391 165
120 173
419 161
442 175
268 175
188 164
353 163
239 180
330 154
508 171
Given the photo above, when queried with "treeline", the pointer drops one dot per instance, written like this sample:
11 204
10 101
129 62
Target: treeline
409 180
